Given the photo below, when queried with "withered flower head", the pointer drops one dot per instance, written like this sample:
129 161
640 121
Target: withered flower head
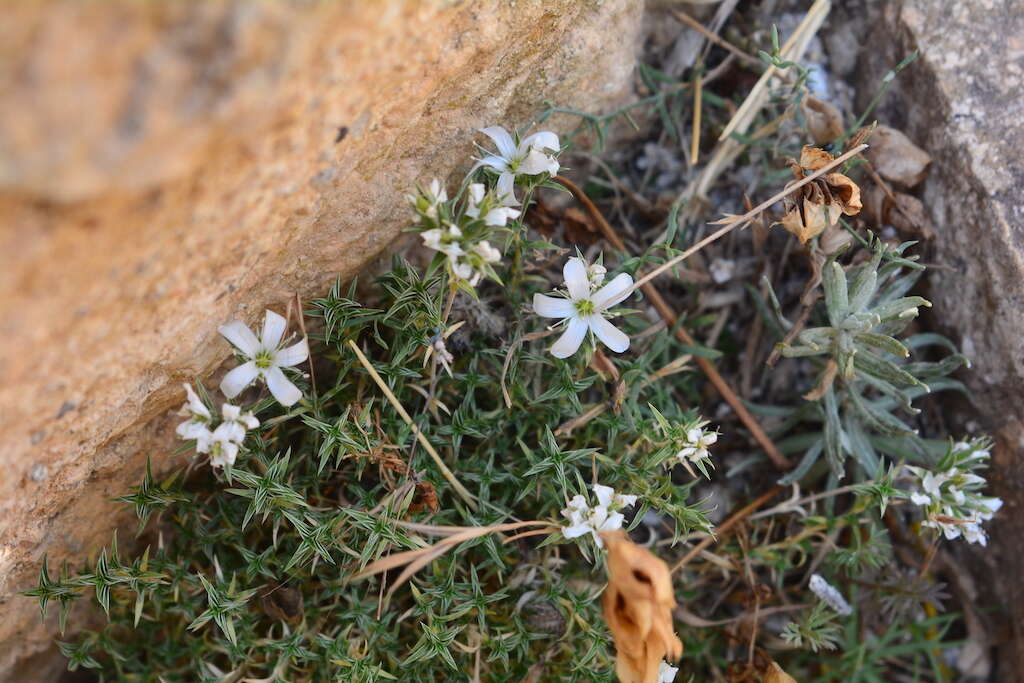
638 608
819 203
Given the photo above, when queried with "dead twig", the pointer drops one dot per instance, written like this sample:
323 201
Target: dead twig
726 526
715 38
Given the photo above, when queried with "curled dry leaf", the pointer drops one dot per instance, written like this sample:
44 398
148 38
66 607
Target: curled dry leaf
775 674
824 122
638 606
818 204
900 210
896 158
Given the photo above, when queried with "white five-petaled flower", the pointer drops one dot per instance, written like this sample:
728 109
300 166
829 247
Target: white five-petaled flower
446 239
496 215
605 516
527 158
667 672
698 440
585 308
229 435
197 424
828 594
264 358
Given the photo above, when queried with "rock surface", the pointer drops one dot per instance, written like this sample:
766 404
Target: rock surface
167 167
961 101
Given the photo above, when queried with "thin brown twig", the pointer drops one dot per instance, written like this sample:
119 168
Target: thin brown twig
715 38
670 317
726 526
698 99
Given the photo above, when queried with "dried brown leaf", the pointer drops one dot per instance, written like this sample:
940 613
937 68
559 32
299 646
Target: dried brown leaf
824 121
896 158
813 158
638 605
775 674
579 227
908 214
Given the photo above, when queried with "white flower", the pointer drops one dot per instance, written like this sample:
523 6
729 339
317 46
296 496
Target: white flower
236 423
585 308
829 595
526 158
697 442
198 414
973 533
427 201
605 516
226 439
991 506
496 216
486 252
264 358
596 273
667 672
223 451
447 240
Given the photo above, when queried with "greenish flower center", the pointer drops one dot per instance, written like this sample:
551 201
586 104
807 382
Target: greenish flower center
264 359
585 307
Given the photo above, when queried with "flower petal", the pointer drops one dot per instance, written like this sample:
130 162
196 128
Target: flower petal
506 189
614 292
537 162
238 379
545 139
241 337
552 307
604 494
576 530
576 281
273 329
611 336
195 406
293 355
286 393
571 339
501 137
495 162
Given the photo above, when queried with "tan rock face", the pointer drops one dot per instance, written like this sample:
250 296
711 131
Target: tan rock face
961 101
167 167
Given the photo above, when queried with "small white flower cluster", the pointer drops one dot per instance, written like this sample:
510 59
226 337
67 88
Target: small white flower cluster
695 447
462 235
263 359
594 519
221 443
828 594
687 442
951 496
584 305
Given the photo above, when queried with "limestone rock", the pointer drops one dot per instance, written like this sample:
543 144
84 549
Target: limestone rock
961 102
167 167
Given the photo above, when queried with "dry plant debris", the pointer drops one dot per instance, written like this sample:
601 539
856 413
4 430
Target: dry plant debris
638 605
820 203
